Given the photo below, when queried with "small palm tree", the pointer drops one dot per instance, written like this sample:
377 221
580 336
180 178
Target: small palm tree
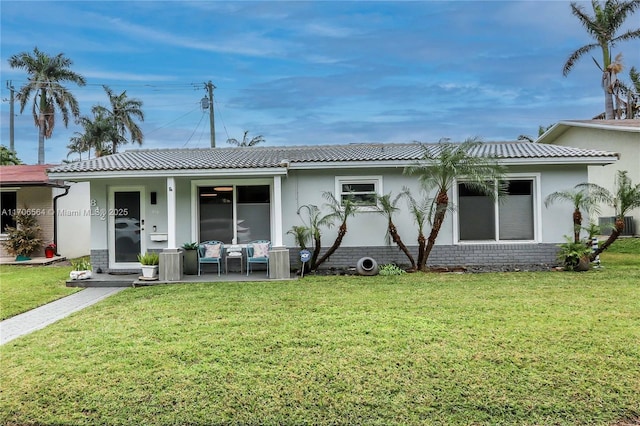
315 221
608 18
245 140
441 169
44 86
387 208
625 199
122 115
583 197
341 212
420 212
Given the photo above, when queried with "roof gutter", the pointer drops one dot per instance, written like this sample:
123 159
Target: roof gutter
55 215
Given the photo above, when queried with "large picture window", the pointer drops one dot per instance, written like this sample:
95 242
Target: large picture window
250 205
509 219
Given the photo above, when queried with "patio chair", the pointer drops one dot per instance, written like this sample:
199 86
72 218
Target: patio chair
258 253
210 252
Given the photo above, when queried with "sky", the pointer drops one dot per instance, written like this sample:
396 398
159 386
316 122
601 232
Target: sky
311 72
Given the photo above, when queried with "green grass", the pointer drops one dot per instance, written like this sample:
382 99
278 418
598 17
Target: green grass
506 348
26 287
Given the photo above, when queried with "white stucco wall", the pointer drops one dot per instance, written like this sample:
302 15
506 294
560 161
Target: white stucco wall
74 236
627 144
306 187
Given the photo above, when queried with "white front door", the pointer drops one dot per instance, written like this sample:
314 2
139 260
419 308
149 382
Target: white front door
127 236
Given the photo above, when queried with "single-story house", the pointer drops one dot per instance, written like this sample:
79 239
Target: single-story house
53 201
621 136
155 199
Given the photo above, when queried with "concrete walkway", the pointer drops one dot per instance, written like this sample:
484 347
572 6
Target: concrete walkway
41 317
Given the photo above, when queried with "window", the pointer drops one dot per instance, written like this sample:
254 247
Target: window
363 191
508 219
9 203
249 204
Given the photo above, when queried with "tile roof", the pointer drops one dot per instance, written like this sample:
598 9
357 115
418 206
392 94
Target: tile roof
23 174
297 156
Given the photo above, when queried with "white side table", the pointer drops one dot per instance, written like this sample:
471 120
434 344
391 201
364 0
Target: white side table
233 255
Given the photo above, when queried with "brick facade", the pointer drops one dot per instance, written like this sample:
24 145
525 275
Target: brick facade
449 256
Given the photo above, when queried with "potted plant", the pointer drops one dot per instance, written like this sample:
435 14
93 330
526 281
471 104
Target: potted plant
81 269
149 262
190 258
50 250
574 256
24 238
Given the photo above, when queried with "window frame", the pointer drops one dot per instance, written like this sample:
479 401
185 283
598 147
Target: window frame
377 191
536 212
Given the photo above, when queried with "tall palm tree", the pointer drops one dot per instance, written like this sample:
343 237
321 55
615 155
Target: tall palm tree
123 113
46 73
387 208
608 18
245 140
440 170
583 197
625 199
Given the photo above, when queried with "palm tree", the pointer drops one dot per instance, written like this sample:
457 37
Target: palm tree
419 210
46 73
632 103
97 133
123 112
387 208
625 199
583 197
342 212
602 27
245 140
440 171
315 221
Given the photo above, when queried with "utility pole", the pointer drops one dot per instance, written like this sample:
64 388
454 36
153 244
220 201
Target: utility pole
11 115
212 123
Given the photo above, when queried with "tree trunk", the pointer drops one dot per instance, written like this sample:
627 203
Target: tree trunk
577 225
393 231
341 233
41 126
442 201
422 244
317 246
608 95
619 228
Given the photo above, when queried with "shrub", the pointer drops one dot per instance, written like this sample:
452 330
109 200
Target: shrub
24 238
149 258
391 269
81 264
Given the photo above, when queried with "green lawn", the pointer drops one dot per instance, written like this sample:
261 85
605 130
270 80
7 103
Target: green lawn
26 287
506 348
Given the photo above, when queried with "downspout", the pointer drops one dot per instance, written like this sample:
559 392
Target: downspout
55 215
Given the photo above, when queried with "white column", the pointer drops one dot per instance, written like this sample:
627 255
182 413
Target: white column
171 213
277 212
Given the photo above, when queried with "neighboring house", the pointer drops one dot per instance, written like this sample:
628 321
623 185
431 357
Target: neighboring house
54 202
621 136
156 199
